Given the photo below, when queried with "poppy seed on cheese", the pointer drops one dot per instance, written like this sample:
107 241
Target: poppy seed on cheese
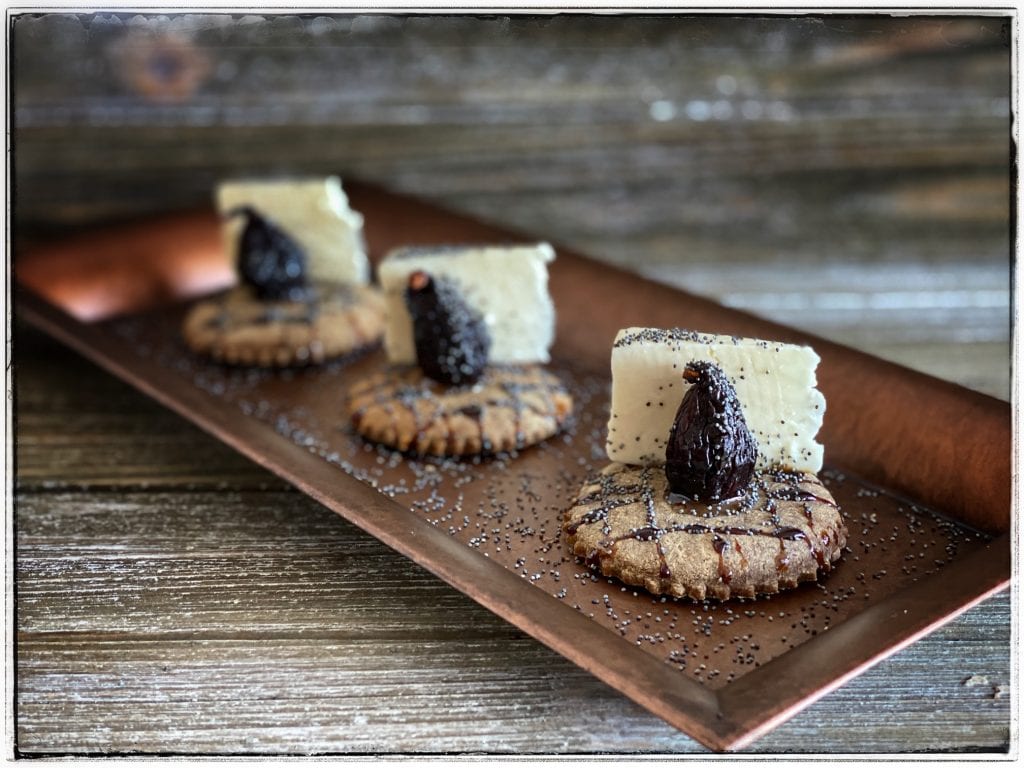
314 212
506 284
775 384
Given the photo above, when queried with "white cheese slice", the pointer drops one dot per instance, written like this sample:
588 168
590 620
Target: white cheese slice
775 384
507 285
314 212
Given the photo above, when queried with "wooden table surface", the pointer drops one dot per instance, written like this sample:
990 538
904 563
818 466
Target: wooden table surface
848 176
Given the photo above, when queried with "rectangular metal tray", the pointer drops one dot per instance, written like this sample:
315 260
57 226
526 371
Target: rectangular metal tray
920 468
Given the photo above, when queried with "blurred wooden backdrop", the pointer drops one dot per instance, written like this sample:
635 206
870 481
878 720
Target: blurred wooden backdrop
847 174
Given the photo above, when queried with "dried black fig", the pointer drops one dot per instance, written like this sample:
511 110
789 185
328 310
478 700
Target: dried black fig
270 260
711 453
452 342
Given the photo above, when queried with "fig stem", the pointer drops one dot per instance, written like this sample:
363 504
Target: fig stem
419 280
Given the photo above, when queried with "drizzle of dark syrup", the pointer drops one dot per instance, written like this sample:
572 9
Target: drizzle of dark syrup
421 395
795 493
782 559
720 545
612 494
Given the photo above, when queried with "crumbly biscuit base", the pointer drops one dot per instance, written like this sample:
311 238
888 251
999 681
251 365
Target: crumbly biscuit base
509 408
239 329
785 530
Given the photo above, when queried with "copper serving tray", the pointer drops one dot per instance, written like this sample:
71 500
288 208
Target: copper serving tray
920 467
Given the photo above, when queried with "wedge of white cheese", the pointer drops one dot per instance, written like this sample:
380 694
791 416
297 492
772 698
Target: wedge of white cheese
775 384
507 285
314 212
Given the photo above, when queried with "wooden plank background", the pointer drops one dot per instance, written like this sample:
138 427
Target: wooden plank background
845 174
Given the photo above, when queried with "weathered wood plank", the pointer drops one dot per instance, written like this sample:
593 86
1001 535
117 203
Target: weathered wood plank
323 640
383 694
789 148
722 119
844 174
168 623
101 433
824 56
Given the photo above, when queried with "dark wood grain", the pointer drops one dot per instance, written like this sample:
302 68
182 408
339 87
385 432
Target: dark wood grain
791 147
350 648
846 175
165 619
